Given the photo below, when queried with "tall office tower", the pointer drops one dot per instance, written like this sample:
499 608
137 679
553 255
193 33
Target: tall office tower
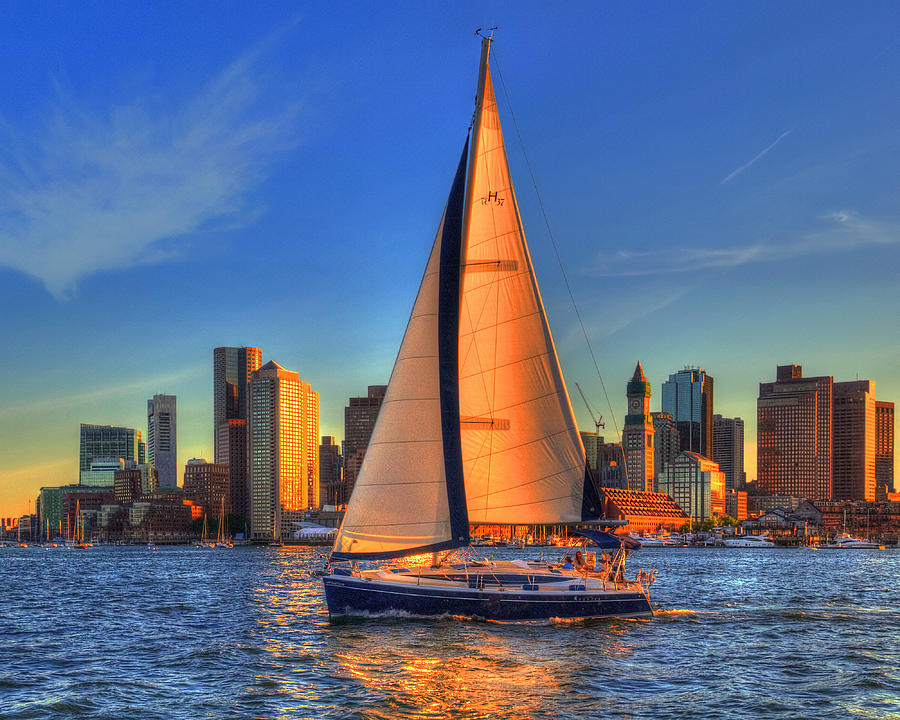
853 440
359 422
284 469
108 441
637 435
688 397
232 449
728 450
666 442
794 435
884 449
232 368
162 446
330 471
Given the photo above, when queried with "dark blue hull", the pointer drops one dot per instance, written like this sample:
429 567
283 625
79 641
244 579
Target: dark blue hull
354 596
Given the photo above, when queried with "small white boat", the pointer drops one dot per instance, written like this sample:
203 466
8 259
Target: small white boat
749 541
848 542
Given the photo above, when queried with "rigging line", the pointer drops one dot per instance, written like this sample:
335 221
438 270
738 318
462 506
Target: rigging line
553 242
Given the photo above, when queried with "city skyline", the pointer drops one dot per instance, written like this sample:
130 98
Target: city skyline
766 199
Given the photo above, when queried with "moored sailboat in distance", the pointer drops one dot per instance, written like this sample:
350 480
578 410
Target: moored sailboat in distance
476 427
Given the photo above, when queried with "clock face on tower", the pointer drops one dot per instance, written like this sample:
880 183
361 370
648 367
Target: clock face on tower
635 404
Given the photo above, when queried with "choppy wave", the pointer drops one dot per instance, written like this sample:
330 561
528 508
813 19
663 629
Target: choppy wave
176 634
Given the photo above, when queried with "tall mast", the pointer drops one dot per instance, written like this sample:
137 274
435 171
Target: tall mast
475 145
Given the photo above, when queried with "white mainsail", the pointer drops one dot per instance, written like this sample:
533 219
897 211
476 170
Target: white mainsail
523 460
492 439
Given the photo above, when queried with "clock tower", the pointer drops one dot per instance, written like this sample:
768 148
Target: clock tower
637 435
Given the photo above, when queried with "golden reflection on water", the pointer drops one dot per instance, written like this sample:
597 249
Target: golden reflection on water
471 679
394 667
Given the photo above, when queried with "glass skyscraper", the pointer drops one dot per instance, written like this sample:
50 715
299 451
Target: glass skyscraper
688 396
108 441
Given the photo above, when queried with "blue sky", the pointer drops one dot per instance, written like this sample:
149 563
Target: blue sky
721 180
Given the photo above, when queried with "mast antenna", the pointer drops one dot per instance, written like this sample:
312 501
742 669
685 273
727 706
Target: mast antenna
490 31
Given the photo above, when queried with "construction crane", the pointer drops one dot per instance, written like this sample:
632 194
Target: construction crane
597 423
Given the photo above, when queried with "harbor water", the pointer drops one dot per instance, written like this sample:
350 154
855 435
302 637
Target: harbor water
179 632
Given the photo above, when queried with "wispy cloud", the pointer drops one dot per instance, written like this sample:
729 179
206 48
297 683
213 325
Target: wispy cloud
93 396
844 230
89 190
759 156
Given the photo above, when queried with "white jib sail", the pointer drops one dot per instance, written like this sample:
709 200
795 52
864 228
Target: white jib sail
399 501
523 460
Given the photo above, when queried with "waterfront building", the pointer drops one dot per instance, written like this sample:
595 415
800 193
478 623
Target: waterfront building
128 485
696 484
884 449
284 478
853 440
645 512
637 435
102 471
162 438
108 441
736 503
728 450
207 485
330 475
232 370
688 397
794 435
359 422
88 501
666 441
233 450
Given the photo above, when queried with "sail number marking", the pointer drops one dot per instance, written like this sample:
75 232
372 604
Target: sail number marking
492 197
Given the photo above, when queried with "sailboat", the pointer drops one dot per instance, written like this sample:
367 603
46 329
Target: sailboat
78 540
222 540
476 427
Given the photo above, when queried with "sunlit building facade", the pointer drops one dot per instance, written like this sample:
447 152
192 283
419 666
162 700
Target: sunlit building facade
884 449
284 450
794 435
688 397
162 445
638 433
696 484
853 433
